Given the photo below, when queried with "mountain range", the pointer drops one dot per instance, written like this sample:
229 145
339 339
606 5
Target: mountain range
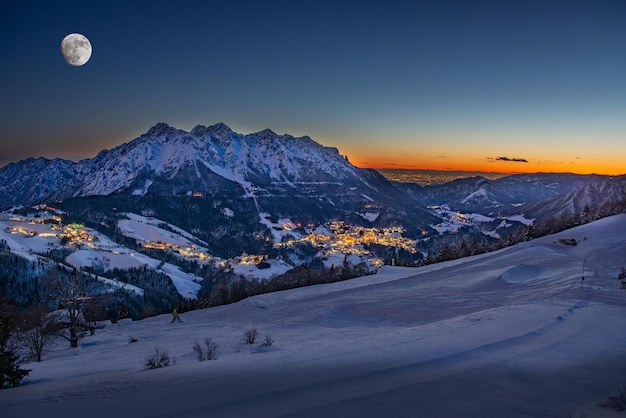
537 196
164 153
266 167
192 179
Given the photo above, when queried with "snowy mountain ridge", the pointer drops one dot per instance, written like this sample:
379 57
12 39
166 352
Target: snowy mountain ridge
509 195
237 157
258 158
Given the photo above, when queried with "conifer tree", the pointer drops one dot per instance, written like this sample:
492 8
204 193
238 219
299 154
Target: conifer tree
10 372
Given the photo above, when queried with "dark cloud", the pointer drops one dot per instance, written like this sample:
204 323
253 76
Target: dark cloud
514 160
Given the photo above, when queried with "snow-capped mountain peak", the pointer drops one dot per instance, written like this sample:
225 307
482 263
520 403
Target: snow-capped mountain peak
258 158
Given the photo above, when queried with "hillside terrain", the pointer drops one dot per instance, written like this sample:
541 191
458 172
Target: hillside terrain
515 332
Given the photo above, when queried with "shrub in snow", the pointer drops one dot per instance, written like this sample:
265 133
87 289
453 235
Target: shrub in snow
132 339
199 351
157 359
268 341
250 335
209 352
568 241
211 349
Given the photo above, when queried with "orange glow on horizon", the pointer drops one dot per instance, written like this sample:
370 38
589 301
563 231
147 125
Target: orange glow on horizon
493 166
489 151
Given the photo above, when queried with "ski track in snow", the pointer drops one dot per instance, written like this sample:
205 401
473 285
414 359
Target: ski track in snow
512 333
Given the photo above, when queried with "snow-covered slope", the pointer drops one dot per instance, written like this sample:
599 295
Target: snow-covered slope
34 180
513 333
595 194
33 240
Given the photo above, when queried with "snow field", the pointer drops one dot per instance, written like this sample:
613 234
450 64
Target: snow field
510 333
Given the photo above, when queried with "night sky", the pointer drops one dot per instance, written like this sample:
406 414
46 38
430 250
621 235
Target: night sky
508 86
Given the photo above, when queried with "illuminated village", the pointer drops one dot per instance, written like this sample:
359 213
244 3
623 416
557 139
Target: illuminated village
341 239
336 242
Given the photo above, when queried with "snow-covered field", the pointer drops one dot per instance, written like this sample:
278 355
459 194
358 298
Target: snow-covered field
514 333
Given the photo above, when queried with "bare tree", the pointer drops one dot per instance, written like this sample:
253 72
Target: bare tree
37 329
69 292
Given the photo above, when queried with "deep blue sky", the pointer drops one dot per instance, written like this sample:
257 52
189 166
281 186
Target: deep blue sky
427 84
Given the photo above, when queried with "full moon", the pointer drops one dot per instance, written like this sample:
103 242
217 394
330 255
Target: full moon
76 49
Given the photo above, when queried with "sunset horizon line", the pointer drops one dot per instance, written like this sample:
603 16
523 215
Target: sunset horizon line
388 166
488 171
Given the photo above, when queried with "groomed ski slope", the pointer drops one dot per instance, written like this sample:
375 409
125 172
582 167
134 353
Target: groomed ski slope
514 333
